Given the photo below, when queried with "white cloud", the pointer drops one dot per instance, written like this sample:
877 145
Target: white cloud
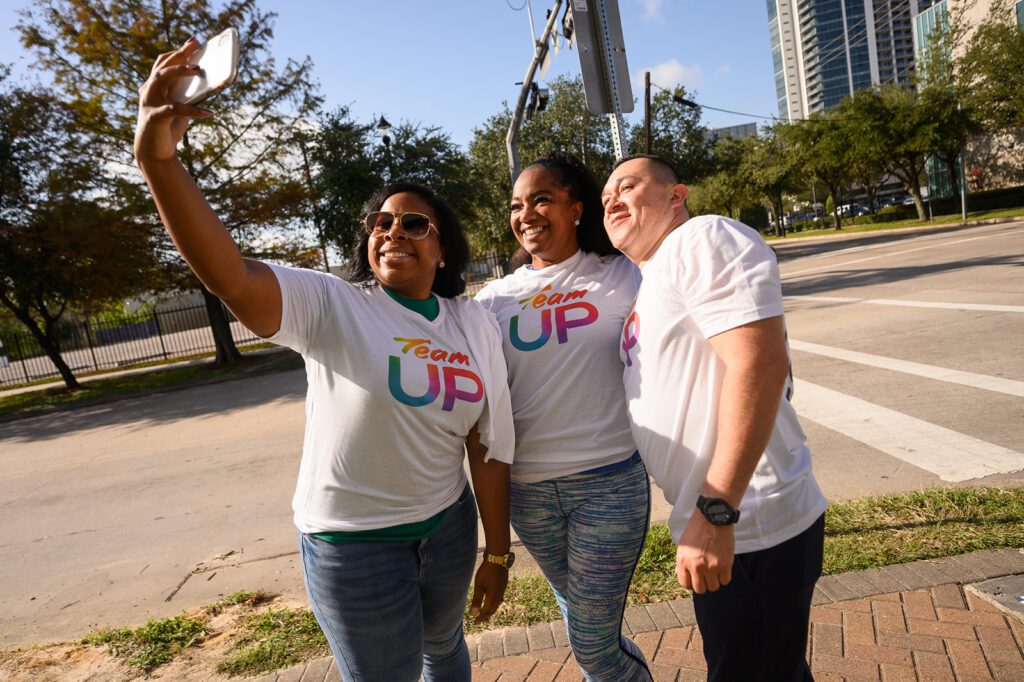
652 9
668 75
723 70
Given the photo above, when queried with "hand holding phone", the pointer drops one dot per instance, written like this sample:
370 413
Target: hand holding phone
218 60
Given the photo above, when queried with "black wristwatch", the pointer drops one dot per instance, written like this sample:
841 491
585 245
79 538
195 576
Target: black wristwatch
717 511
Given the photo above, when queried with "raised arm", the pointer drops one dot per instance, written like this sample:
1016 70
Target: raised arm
248 287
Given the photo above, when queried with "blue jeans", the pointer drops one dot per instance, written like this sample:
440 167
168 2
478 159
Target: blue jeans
586 532
392 611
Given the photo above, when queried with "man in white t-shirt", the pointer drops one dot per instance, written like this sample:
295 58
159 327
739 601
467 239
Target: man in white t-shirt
706 370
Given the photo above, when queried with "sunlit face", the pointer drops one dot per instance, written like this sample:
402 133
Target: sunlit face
543 217
640 208
405 266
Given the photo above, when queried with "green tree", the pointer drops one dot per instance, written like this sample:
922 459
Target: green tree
244 159
566 125
989 70
773 169
426 154
904 127
866 152
727 190
677 135
348 164
954 124
345 173
60 246
821 144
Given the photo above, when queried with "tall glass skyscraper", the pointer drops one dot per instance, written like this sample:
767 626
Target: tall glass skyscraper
824 50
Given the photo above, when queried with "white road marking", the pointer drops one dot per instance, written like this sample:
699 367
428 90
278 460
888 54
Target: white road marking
955 376
950 455
988 307
835 266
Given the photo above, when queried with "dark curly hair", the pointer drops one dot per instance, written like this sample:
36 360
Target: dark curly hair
573 176
448 281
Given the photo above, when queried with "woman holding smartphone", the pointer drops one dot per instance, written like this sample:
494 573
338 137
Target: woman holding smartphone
403 375
580 494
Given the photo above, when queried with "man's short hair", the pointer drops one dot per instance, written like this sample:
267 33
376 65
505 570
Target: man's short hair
663 169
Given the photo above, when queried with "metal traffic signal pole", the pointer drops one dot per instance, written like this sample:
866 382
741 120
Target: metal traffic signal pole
540 51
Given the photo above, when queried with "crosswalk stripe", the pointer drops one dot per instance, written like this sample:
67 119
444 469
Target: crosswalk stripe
955 376
988 307
950 455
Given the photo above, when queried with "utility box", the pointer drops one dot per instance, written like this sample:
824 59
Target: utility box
597 30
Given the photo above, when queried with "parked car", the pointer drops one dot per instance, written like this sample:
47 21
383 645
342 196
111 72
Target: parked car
852 210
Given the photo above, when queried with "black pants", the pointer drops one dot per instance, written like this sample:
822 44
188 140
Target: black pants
755 628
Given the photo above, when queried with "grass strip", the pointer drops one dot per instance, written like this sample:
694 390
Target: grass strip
151 645
937 221
124 386
896 529
275 639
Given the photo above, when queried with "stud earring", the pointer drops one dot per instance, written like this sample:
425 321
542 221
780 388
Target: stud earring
441 263
576 222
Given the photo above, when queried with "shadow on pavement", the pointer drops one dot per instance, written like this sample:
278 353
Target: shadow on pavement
833 280
800 248
213 399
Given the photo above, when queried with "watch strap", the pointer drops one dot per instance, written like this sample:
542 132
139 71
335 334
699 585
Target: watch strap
503 560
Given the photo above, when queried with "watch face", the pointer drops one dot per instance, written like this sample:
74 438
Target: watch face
719 513
511 560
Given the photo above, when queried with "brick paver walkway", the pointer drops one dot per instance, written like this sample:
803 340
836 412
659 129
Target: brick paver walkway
914 621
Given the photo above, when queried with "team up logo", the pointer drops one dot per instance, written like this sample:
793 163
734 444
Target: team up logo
558 311
630 333
444 370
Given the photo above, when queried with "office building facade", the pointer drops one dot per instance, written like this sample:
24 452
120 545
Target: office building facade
825 50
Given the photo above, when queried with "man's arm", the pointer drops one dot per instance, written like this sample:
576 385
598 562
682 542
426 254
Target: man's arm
756 366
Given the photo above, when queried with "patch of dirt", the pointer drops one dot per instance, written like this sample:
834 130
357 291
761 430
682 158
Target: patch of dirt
72 662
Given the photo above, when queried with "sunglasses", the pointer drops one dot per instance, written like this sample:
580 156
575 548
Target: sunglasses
415 225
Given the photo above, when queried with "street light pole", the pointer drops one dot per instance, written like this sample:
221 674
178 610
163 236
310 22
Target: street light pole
384 131
647 112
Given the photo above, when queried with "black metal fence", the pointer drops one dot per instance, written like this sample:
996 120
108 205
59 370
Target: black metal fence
483 269
111 342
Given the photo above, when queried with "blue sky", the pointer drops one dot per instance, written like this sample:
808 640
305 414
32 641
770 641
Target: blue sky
453 63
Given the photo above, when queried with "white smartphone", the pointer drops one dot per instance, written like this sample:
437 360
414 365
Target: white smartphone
218 60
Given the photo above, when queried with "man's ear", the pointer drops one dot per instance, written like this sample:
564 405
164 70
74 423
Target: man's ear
679 194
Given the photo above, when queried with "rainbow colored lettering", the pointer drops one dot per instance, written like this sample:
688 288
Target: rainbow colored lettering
630 334
451 376
566 316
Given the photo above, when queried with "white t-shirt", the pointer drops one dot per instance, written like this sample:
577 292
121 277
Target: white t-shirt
560 328
710 275
391 399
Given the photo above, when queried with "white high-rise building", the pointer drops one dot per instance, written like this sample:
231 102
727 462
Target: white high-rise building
825 50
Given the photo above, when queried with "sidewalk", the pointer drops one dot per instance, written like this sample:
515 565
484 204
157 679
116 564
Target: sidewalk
926 621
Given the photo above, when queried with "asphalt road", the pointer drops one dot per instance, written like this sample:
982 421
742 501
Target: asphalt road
907 354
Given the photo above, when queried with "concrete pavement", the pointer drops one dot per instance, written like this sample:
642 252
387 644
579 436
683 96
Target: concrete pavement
924 621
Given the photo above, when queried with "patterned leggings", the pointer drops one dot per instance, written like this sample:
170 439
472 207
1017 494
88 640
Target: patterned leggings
586 532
